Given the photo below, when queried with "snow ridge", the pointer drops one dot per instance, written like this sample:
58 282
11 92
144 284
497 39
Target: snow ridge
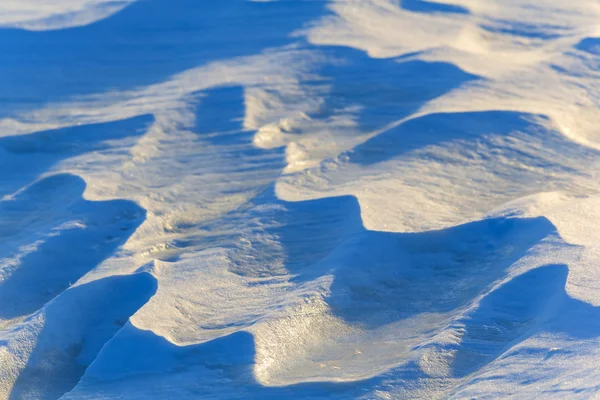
307 199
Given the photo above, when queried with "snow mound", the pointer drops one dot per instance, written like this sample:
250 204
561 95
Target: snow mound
374 199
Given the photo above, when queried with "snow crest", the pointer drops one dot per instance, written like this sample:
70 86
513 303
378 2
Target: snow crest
376 199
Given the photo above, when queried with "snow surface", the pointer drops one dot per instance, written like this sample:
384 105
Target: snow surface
344 199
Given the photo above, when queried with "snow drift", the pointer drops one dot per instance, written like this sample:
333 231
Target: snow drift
307 199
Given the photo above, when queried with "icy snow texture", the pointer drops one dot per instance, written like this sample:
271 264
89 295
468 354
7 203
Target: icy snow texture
302 199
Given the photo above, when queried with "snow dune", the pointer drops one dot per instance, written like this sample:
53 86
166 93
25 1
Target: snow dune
377 199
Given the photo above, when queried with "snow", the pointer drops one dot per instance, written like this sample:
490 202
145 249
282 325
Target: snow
376 199
39 15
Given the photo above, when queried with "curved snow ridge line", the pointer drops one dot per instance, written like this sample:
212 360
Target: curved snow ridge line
516 28
51 234
52 330
248 255
545 69
348 326
332 367
144 359
549 326
576 120
450 360
457 165
79 236
40 15
366 297
293 371
574 217
50 350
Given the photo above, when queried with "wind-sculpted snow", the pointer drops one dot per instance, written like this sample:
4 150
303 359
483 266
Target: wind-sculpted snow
377 199
52 264
38 15
51 349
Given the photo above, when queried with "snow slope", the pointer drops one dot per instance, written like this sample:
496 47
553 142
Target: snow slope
376 199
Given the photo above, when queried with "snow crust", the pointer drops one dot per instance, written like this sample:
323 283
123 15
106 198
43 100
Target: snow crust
343 199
